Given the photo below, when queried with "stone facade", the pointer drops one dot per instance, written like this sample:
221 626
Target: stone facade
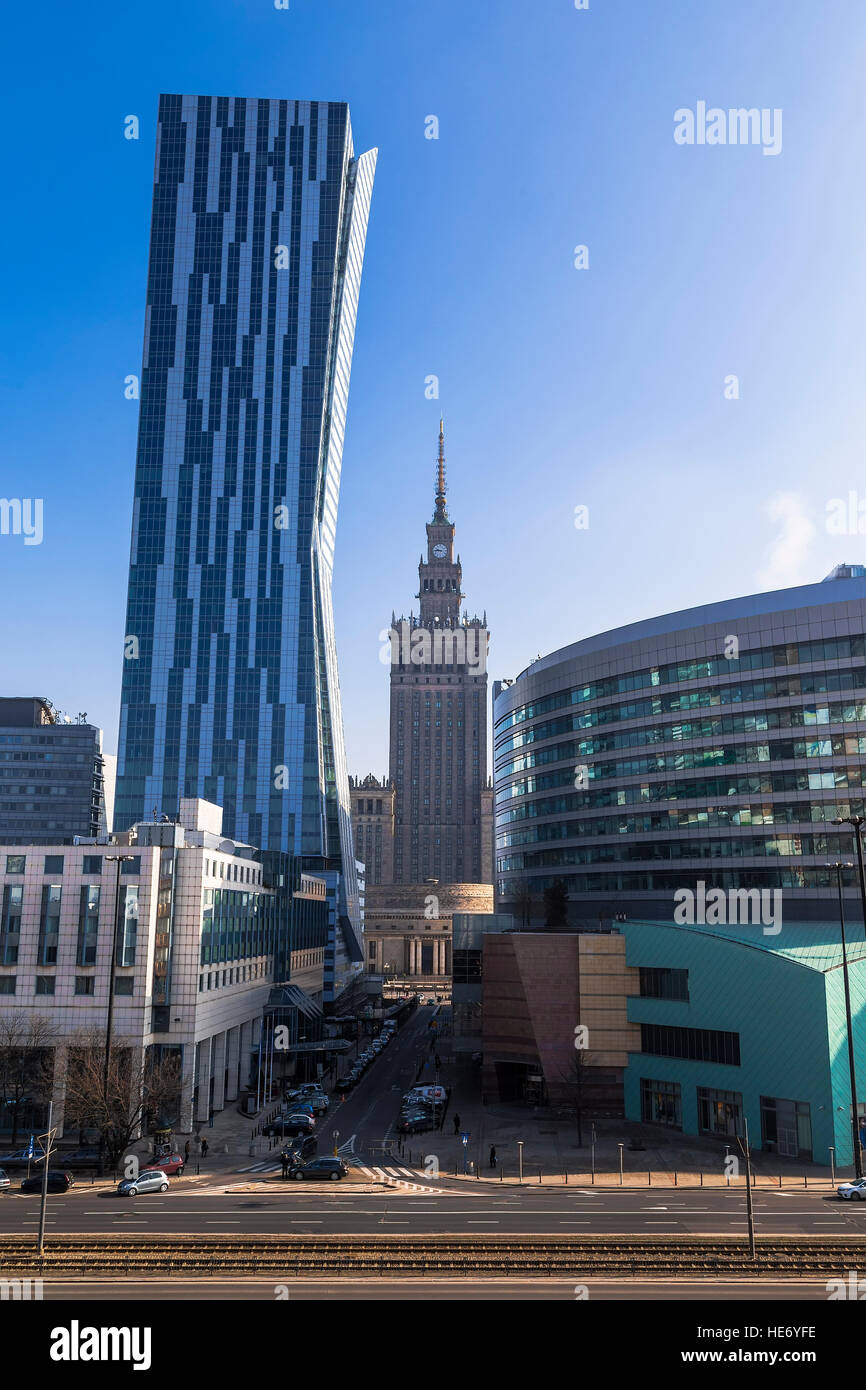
538 990
373 827
408 930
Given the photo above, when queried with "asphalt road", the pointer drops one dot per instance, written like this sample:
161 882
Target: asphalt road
301 1208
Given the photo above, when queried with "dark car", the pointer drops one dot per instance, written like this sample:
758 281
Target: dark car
296 1122
58 1181
332 1168
346 1083
81 1158
414 1123
302 1149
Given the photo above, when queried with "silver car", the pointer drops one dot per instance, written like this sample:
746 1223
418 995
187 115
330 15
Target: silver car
5 1180
148 1180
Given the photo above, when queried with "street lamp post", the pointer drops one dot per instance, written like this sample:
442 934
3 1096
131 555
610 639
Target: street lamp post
857 823
855 1115
117 859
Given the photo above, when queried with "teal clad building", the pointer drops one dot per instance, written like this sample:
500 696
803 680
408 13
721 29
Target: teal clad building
738 1023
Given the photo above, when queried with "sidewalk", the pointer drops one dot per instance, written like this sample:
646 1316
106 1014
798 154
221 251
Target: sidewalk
551 1149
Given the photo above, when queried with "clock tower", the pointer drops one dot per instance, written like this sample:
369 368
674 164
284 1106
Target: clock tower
438 758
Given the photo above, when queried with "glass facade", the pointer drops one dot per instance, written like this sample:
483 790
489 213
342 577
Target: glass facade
51 778
717 744
230 689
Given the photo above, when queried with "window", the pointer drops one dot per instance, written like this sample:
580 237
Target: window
660 983
124 984
49 925
15 863
466 967
53 864
786 1127
7 984
85 984
92 864
128 919
691 1044
88 925
131 866
45 984
719 1112
10 923
661 1103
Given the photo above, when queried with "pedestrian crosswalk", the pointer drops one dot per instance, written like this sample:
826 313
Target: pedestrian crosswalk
397 1177
394 1176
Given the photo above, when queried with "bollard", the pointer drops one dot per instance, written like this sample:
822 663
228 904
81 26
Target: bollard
780 1179
500 1175
805 1181
539 1177
649 1179
675 1177
197 1170
702 1177
566 1177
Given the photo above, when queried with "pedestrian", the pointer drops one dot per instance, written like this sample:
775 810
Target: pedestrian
492 1156
456 1124
284 1159
186 1152
204 1148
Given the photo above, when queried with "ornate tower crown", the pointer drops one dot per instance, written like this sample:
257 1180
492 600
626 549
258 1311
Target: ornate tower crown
441 512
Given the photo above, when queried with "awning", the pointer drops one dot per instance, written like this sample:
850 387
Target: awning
291 997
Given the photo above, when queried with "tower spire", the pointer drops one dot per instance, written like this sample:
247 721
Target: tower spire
441 514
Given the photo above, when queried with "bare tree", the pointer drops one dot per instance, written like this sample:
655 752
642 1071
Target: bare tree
524 902
575 1084
138 1095
26 1063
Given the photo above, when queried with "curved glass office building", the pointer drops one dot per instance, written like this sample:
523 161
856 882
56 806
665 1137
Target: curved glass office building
713 746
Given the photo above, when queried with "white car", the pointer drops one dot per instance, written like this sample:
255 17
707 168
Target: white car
854 1191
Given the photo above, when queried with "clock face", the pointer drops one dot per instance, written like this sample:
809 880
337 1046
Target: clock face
440 551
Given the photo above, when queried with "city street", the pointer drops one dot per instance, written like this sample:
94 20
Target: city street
307 1209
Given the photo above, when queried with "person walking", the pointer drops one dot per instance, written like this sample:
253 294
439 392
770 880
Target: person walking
456 1124
204 1148
186 1152
284 1159
492 1156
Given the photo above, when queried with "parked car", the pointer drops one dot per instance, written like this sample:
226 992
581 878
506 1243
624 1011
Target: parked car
148 1180
296 1122
333 1168
19 1157
346 1083
414 1122
434 1093
58 1181
169 1163
301 1149
319 1101
81 1158
5 1180
854 1191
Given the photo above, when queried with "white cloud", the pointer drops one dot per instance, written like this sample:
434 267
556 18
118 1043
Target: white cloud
788 559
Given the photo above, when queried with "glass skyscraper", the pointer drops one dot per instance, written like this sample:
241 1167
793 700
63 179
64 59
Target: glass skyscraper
230 685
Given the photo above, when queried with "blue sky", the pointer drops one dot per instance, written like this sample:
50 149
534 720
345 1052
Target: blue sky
560 387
